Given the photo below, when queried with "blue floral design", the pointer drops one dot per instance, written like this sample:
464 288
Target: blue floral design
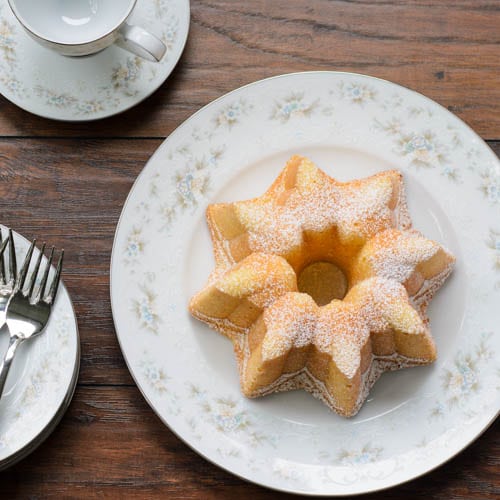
461 379
365 455
144 308
230 114
357 93
293 105
490 185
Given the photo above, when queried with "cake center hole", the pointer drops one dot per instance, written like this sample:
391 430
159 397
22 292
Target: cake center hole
323 281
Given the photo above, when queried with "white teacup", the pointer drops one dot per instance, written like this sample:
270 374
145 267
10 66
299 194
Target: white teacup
83 27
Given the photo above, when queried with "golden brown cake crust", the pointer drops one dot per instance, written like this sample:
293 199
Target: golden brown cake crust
282 339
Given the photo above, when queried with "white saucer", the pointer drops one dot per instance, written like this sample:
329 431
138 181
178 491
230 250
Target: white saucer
41 381
79 89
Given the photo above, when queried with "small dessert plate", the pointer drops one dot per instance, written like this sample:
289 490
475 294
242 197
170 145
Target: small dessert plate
350 126
88 88
41 380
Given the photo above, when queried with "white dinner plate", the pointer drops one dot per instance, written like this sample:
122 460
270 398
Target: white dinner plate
42 377
87 88
351 126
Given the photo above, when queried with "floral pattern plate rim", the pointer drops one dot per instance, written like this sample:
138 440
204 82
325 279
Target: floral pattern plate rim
350 125
94 87
41 381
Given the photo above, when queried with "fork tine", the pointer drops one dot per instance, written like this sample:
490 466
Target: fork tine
26 264
12 257
2 262
43 283
3 244
32 278
55 284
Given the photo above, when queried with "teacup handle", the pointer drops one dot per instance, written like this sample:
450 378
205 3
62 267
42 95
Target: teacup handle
142 43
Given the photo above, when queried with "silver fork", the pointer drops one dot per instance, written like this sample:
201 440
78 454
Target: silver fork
28 311
7 280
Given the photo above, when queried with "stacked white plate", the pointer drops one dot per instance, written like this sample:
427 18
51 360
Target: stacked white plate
41 380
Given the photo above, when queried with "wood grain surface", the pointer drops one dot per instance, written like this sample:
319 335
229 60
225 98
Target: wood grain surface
68 182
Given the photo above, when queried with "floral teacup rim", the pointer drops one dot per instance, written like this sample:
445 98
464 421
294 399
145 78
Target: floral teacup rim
84 27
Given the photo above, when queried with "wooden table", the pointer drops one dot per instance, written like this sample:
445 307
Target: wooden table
68 182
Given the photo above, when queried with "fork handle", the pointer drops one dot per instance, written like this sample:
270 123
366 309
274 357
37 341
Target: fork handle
14 343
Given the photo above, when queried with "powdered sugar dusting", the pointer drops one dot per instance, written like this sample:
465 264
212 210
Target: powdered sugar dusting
341 328
262 277
389 290
290 323
385 305
341 332
359 209
395 254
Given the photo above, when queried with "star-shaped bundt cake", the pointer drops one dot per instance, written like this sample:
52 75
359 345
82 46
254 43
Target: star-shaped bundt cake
322 285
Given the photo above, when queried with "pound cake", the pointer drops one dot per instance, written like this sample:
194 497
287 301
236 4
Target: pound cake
322 285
